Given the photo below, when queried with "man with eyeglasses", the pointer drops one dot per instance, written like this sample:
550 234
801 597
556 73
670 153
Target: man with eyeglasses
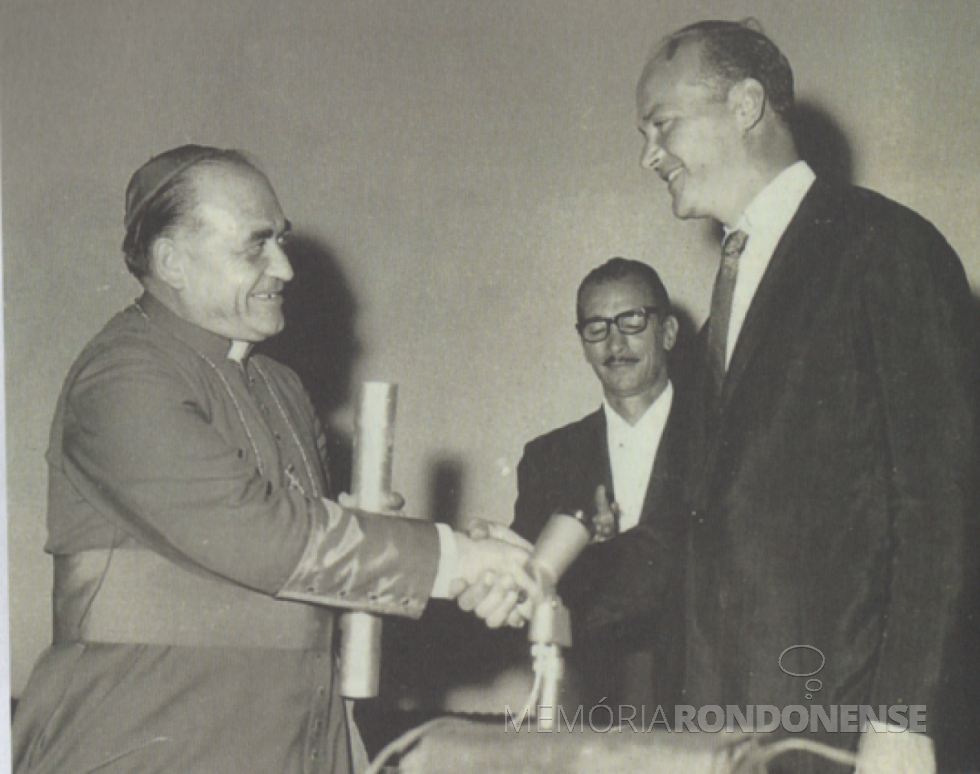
621 464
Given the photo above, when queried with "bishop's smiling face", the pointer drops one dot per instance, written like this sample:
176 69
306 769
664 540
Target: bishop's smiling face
692 139
233 267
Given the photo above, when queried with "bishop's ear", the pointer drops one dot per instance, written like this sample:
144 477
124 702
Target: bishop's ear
167 262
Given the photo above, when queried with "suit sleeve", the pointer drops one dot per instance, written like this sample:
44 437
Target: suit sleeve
138 448
628 577
642 572
918 309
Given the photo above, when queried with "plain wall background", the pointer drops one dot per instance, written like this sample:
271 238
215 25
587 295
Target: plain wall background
453 169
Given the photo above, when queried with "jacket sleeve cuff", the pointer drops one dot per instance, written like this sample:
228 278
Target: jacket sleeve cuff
894 749
366 561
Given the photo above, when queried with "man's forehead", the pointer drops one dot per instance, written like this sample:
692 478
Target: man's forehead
614 296
232 191
223 179
667 81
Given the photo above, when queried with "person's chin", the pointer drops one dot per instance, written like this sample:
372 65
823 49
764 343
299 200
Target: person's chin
682 209
268 333
620 386
265 329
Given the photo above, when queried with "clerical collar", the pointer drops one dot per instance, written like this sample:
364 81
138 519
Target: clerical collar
211 345
239 350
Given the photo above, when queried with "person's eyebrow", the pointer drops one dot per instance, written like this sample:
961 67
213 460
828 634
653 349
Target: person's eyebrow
268 233
651 115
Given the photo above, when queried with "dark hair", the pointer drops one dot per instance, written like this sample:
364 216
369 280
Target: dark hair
167 208
733 51
616 269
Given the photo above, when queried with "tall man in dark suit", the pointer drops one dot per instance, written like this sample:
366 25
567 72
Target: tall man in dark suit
834 414
622 593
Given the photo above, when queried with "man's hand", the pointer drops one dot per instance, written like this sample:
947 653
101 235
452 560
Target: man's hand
478 529
607 516
492 579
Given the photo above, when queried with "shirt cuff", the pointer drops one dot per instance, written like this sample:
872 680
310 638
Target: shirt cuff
448 562
885 747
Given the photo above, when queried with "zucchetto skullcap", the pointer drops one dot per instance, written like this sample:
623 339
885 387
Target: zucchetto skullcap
149 179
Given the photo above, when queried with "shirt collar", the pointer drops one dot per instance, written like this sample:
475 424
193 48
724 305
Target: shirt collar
770 212
211 345
653 417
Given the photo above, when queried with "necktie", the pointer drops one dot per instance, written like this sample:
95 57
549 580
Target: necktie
721 305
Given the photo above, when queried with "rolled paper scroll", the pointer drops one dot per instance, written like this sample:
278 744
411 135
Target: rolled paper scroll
374 437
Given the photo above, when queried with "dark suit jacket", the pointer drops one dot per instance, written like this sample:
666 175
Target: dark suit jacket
832 482
625 594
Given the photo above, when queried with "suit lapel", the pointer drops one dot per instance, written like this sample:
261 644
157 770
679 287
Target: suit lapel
807 244
661 466
801 246
593 466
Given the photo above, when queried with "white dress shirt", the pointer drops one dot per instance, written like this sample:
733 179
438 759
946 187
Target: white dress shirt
764 221
632 450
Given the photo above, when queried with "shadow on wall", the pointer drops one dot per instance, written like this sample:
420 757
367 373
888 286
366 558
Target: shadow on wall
446 490
822 143
320 341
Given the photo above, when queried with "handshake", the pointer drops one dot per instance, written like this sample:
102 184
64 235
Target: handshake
496 577
493 573
493 577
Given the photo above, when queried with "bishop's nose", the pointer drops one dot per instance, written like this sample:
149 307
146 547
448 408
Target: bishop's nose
279 265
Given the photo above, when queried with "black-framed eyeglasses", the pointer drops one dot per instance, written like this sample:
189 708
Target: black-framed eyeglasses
632 321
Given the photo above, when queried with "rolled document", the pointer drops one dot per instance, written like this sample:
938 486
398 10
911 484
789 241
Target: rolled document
374 441
374 438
